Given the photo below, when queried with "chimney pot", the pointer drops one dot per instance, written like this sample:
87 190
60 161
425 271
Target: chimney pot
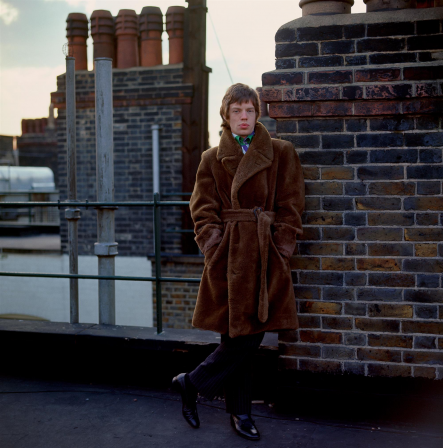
77 33
38 126
126 32
102 32
175 17
151 29
24 126
389 5
325 7
31 126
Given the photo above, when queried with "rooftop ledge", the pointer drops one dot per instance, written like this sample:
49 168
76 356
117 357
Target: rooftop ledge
403 15
170 339
115 354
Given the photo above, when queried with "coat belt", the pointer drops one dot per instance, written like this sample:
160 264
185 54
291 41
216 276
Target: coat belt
264 221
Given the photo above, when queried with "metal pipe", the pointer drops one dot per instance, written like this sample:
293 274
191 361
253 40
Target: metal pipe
157 219
157 250
100 277
72 214
106 247
71 128
155 158
92 204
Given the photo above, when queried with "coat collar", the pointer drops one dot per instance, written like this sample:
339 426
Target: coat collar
241 167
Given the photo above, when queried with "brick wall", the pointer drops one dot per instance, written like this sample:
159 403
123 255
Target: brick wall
142 97
179 298
6 150
360 96
39 150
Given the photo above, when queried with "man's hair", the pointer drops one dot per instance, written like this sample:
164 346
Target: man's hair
238 93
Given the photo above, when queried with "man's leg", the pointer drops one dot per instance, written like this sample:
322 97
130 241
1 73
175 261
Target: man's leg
238 390
230 357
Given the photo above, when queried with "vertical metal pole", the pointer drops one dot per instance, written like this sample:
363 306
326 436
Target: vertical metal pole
155 158
157 222
106 247
157 250
72 214
29 209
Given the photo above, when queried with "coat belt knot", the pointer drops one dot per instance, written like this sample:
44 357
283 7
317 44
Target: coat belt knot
264 221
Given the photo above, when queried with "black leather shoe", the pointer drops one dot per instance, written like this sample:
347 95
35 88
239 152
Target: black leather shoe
189 399
245 427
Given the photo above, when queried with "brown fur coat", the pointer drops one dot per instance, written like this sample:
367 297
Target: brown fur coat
246 209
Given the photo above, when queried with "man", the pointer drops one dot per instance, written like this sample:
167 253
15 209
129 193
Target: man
246 206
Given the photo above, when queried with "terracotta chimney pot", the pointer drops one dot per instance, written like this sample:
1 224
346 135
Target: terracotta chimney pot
44 124
37 126
175 18
31 126
325 7
151 29
102 32
77 33
126 32
24 126
389 5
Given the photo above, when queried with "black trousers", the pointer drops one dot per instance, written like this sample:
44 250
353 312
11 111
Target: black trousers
230 367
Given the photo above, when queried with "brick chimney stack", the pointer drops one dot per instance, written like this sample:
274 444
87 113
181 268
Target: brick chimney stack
360 97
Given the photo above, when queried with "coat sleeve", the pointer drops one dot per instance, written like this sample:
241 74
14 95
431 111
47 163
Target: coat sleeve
205 206
289 201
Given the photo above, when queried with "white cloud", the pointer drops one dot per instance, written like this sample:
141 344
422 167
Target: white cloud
25 93
8 13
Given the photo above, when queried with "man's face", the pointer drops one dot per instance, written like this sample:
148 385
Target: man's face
242 118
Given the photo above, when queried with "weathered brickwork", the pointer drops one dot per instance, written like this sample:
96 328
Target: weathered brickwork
142 97
178 298
39 150
362 102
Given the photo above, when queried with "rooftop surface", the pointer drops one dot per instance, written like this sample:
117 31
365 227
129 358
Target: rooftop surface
37 413
39 243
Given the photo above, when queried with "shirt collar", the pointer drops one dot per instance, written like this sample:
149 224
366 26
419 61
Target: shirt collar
243 140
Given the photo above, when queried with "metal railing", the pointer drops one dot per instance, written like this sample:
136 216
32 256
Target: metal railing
28 215
158 279
106 247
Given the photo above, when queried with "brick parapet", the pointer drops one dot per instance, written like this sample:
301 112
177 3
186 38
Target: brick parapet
132 156
368 277
131 88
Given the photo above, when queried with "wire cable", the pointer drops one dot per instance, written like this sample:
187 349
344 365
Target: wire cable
221 50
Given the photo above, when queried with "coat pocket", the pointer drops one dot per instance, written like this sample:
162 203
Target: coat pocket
220 248
274 248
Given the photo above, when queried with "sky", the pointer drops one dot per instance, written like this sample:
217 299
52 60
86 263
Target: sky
32 34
